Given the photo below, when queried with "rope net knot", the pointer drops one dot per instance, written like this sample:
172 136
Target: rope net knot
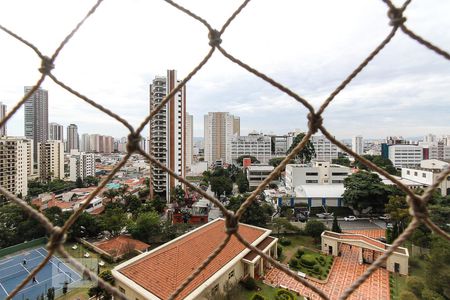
214 38
417 208
232 223
57 238
47 65
314 122
396 17
133 142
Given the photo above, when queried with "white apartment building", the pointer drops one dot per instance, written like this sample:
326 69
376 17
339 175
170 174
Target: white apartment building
220 127
189 140
404 156
81 165
428 173
51 160
85 144
254 144
73 139
358 144
16 157
439 150
167 134
257 174
325 150
319 172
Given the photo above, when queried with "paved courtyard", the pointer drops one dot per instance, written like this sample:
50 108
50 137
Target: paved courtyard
345 271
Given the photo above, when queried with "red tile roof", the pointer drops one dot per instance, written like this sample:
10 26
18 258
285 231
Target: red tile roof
120 245
261 246
163 271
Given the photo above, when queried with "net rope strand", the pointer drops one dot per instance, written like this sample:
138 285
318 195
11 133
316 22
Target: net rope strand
417 203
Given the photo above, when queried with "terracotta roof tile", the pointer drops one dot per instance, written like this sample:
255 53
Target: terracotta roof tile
162 271
120 245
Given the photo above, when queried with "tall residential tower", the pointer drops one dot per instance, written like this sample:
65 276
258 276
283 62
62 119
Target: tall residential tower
36 117
167 138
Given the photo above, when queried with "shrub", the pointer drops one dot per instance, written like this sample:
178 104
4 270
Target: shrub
317 269
321 260
308 260
249 283
300 252
428 294
413 262
293 263
415 284
258 297
279 250
314 228
284 295
407 295
285 242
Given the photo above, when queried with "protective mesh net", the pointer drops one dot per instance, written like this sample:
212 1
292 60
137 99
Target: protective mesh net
417 203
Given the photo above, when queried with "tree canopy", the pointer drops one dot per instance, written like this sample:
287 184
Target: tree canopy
240 159
307 153
380 161
256 214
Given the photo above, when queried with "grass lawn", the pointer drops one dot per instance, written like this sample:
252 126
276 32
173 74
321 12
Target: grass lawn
398 282
266 291
81 294
312 263
92 261
296 242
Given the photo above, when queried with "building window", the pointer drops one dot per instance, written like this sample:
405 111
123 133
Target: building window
415 173
424 175
215 290
312 173
407 172
121 289
230 275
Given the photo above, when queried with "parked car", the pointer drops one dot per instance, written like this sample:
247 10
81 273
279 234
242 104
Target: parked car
385 217
350 218
389 225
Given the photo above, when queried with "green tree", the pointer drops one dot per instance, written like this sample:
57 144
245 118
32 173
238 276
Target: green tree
91 181
398 210
221 185
79 182
307 153
178 196
132 203
242 182
256 214
439 266
55 215
282 224
158 204
113 220
380 161
364 189
240 159
343 161
86 225
147 225
111 194
99 292
314 228
336 227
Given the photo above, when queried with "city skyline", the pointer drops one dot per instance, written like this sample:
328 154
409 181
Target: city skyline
385 94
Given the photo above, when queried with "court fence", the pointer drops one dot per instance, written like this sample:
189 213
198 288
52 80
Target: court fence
23 246
417 203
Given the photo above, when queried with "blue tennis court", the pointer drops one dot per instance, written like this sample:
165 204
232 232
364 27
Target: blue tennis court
54 274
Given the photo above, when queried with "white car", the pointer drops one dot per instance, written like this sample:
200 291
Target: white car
350 218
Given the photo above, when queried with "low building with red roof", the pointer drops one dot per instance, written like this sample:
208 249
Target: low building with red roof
120 246
158 273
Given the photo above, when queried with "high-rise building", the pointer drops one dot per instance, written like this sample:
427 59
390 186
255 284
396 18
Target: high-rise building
358 145
36 117
189 139
220 127
81 165
51 160
255 144
2 116
16 157
405 156
325 150
55 132
85 143
73 140
167 136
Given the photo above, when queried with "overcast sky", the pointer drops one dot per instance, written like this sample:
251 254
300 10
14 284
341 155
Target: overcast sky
309 46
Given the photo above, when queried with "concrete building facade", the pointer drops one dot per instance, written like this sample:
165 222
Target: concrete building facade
73 139
16 161
81 165
55 132
427 174
36 117
358 145
189 140
167 138
254 144
219 129
404 156
51 161
2 116
325 150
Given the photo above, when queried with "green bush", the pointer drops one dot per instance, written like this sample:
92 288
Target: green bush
428 294
413 262
249 283
415 284
300 252
317 269
285 242
321 260
293 263
308 260
407 295
258 297
284 295
279 250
